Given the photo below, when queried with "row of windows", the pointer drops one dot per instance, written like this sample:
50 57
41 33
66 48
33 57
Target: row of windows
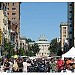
12 13
12 8
64 27
21 43
9 3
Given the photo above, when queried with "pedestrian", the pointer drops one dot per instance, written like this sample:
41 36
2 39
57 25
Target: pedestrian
24 66
11 65
20 66
6 65
15 66
53 66
60 64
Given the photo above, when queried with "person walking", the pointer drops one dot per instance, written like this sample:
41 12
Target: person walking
24 66
15 66
53 66
20 65
11 65
6 65
60 64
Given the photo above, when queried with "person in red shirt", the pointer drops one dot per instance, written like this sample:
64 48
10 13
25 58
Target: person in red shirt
60 64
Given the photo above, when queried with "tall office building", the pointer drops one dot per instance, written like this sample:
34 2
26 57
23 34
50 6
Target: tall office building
13 14
63 34
71 23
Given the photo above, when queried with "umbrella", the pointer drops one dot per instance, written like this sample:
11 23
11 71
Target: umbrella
15 56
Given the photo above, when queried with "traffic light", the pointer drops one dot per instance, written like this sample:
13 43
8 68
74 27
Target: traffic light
0 37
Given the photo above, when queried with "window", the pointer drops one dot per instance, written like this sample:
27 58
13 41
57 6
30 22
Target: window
64 35
42 53
7 8
13 8
64 32
70 25
20 43
70 32
23 43
70 39
8 4
13 13
70 11
8 13
5 33
13 18
64 27
12 4
70 4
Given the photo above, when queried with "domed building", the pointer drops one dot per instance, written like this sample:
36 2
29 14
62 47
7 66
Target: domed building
43 45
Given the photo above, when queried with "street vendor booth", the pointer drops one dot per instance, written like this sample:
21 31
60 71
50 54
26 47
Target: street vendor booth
69 54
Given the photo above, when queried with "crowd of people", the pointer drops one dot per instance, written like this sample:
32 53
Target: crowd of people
51 65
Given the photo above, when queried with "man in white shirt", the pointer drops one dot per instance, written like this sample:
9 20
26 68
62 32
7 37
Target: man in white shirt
25 66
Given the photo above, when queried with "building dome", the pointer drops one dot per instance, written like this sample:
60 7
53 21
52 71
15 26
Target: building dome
42 38
43 46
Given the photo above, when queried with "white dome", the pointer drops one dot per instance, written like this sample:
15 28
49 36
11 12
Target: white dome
42 37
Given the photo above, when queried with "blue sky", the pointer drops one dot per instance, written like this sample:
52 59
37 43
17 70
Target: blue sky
39 18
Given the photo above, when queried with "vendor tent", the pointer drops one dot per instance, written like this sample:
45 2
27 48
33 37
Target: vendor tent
69 54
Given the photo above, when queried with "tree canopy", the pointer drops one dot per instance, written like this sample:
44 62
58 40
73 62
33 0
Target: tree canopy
55 47
32 50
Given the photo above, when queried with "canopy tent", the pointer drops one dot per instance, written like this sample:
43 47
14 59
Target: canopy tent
69 54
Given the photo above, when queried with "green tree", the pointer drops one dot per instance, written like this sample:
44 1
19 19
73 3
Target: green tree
8 49
32 50
29 40
35 48
53 46
21 52
60 52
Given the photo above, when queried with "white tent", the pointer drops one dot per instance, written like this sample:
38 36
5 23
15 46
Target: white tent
70 53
